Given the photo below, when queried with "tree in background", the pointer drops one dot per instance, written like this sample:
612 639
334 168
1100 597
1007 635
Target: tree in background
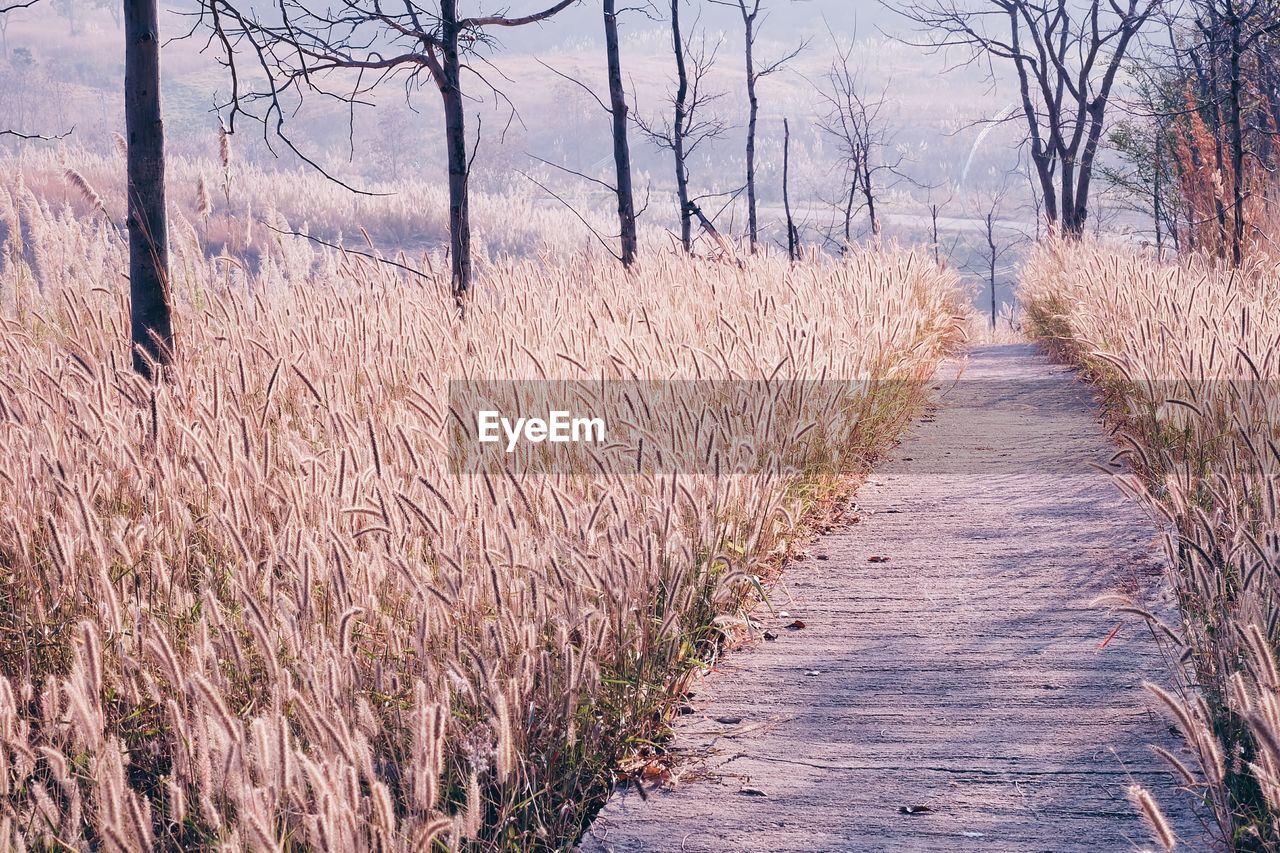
151 318
1067 58
989 209
853 120
1001 230
70 10
691 123
1198 151
752 21
937 204
5 9
1144 172
1234 100
793 233
305 44
621 147
1224 146
618 112
10 132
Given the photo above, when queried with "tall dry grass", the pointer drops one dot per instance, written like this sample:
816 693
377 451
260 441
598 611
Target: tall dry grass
410 215
1189 356
252 608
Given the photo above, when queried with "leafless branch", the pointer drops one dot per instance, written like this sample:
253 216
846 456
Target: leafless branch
37 137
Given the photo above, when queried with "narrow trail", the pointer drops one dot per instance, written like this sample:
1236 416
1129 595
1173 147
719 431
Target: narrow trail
964 674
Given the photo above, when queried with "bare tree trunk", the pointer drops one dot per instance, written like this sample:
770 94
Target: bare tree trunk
1080 216
1212 89
1070 228
753 110
1048 192
1237 137
151 316
678 130
793 242
456 146
937 250
1038 208
991 257
869 193
848 216
621 150
1156 212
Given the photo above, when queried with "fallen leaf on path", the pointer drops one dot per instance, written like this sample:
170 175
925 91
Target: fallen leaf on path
1103 644
769 635
752 792
729 721
795 626
877 559
914 809
823 556
655 772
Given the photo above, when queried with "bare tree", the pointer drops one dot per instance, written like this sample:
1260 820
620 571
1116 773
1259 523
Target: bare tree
853 119
151 320
993 248
1142 173
1237 89
989 219
1198 150
618 111
793 235
691 123
69 9
307 43
621 147
752 21
5 20
997 236
5 11
936 207
1067 57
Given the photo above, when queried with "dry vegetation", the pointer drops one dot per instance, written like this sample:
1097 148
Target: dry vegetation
1189 357
252 608
226 202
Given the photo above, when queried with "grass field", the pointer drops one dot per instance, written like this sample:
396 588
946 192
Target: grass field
1187 356
253 605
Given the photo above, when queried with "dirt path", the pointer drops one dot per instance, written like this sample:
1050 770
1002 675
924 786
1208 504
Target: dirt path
964 674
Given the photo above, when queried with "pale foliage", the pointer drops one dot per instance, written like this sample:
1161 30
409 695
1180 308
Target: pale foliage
407 214
1190 356
252 607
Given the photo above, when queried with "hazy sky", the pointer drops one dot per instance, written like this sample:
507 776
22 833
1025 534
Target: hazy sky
786 19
